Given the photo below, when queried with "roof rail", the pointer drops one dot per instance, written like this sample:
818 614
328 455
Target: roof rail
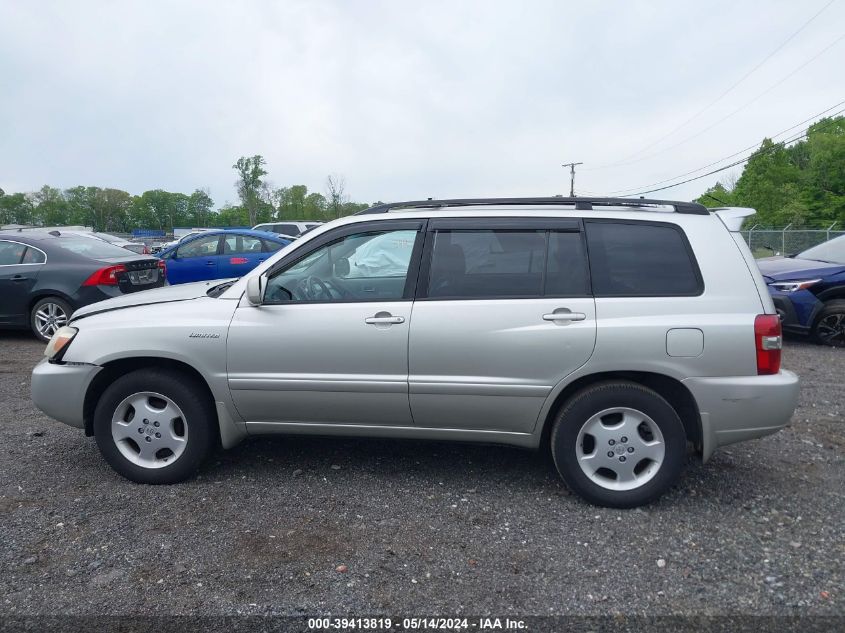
580 204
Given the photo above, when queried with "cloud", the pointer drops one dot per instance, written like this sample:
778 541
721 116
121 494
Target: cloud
404 99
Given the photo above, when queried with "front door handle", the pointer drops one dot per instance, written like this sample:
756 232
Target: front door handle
386 319
565 316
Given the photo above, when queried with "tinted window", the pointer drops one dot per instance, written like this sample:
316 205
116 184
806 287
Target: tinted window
11 253
33 256
200 247
287 229
631 259
494 263
566 268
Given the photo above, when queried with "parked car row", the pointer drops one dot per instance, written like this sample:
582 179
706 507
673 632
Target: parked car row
45 277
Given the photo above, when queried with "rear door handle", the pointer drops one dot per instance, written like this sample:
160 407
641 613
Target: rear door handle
19 278
374 320
211 263
564 316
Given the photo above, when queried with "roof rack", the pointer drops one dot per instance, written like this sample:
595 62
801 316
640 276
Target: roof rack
580 204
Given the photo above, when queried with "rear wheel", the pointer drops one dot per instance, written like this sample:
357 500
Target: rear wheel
154 426
829 328
618 444
48 315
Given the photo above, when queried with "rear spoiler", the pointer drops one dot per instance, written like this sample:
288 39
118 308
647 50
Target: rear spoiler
733 217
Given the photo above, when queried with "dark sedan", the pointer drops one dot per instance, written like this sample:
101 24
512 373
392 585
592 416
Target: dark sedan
44 277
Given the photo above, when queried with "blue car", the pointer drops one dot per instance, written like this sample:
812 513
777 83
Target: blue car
809 291
219 254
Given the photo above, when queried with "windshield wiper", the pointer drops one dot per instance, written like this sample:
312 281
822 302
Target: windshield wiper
219 289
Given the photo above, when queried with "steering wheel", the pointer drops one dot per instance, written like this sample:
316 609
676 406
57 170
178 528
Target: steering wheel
315 288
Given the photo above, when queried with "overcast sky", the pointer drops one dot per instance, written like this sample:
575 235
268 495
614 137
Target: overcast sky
406 100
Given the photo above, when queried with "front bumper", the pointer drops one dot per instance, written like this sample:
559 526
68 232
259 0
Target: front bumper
59 390
740 408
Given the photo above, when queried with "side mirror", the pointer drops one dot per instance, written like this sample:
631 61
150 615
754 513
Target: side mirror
341 268
255 290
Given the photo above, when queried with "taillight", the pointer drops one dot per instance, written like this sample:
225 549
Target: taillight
162 268
146 250
768 339
105 276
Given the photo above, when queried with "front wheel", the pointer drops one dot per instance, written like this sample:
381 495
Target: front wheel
829 328
618 444
155 426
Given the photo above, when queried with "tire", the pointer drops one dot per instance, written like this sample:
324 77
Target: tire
48 315
155 426
829 328
631 432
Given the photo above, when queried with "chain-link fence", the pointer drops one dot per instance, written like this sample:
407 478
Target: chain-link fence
786 241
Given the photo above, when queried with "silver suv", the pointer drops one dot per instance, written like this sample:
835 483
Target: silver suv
614 333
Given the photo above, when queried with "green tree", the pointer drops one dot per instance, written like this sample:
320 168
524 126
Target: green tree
717 196
51 208
250 186
802 185
200 206
15 208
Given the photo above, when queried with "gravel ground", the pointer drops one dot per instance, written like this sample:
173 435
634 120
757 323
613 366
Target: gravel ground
421 528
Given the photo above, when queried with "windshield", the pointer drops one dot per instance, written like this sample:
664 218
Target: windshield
832 251
94 249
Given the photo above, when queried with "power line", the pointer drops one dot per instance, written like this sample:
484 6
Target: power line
742 151
730 88
730 114
716 171
767 150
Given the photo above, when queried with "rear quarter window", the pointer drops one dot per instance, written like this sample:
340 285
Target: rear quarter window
638 259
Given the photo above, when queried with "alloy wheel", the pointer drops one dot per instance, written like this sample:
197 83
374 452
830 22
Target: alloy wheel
49 318
149 429
620 448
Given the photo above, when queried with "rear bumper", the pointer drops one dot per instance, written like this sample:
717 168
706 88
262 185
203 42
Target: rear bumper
740 408
59 390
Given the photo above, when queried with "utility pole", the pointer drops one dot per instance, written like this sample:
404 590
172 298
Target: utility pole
571 177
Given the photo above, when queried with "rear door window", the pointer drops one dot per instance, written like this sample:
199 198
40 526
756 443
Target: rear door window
34 256
532 259
638 259
487 263
241 244
11 253
199 247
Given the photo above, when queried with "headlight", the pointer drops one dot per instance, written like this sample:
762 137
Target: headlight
792 286
58 344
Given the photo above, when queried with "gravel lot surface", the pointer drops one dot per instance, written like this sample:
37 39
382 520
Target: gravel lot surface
419 528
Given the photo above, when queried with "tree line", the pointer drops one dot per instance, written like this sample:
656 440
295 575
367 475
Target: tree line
802 184
115 210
